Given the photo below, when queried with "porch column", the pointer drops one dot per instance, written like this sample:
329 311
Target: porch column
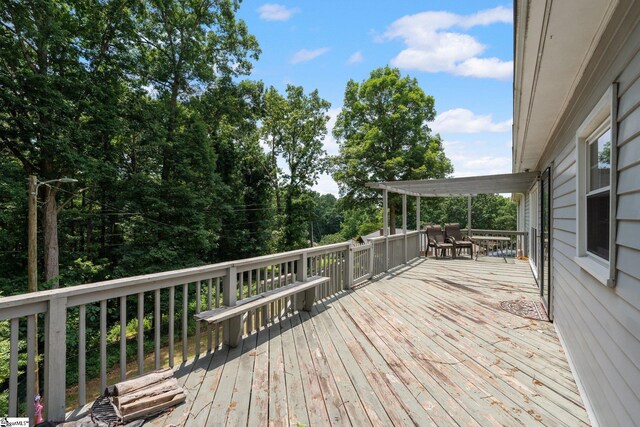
469 214
418 224
404 225
385 228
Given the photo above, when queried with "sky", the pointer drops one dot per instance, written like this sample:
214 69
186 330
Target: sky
461 53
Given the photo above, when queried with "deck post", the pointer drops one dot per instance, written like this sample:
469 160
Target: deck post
469 215
302 276
232 329
385 228
418 224
348 282
372 260
404 228
55 360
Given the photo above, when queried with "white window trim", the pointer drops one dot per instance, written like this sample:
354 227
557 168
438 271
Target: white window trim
604 111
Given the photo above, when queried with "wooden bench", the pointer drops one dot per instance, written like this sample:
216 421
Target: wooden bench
305 292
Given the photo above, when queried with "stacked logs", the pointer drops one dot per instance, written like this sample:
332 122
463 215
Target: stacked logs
146 395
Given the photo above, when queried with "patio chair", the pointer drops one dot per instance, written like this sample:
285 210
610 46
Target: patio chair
454 236
435 239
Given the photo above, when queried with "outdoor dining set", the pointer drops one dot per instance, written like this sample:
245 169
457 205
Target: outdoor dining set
451 240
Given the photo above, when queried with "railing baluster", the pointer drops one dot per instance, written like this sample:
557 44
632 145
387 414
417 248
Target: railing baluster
209 307
141 333
103 345
263 321
31 363
123 338
185 319
172 323
82 351
197 310
251 314
157 324
217 327
13 368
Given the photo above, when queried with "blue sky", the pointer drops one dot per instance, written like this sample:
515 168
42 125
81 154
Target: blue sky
460 52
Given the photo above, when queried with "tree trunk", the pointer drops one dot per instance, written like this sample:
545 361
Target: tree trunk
50 230
168 152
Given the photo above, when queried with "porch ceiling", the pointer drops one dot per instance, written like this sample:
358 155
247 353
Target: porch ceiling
485 184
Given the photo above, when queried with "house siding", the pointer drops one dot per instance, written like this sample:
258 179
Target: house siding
600 326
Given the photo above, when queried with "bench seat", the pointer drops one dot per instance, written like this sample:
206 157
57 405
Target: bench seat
235 313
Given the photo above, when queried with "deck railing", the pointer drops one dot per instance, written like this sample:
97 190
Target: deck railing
518 241
165 304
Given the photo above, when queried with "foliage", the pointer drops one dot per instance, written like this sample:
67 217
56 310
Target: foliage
329 239
327 216
360 221
488 212
383 136
294 127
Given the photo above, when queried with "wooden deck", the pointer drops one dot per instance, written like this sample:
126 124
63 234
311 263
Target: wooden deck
426 345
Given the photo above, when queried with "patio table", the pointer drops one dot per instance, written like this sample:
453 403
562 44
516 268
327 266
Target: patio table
486 240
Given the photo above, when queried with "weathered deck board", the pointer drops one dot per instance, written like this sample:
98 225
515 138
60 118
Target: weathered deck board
424 345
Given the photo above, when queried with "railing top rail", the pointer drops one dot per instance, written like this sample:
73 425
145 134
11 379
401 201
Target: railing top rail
393 236
511 232
359 248
93 292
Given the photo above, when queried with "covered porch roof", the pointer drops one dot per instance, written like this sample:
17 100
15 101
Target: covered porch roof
504 183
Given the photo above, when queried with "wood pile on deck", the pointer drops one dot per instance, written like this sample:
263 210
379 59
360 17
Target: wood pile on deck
146 395
129 403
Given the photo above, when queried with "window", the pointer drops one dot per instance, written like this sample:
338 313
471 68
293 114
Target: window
595 195
598 194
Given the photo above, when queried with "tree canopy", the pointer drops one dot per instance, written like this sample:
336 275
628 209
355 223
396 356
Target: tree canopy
383 135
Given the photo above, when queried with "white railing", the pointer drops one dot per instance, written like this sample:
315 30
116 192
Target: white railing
518 241
165 304
362 261
401 249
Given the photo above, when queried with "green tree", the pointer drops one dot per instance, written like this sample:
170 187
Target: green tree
231 112
327 216
383 136
61 67
184 45
294 127
488 211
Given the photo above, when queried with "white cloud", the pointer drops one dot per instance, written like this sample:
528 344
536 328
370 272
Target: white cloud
275 12
430 48
304 55
326 185
355 58
477 157
330 143
461 120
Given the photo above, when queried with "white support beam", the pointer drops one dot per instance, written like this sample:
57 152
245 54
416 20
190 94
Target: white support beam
486 184
469 214
418 213
404 227
418 224
385 227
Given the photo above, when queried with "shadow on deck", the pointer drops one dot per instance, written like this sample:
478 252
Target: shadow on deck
425 344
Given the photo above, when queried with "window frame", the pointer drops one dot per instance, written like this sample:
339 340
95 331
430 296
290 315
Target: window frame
602 117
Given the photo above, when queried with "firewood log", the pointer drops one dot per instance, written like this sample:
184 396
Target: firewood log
152 389
147 412
142 381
